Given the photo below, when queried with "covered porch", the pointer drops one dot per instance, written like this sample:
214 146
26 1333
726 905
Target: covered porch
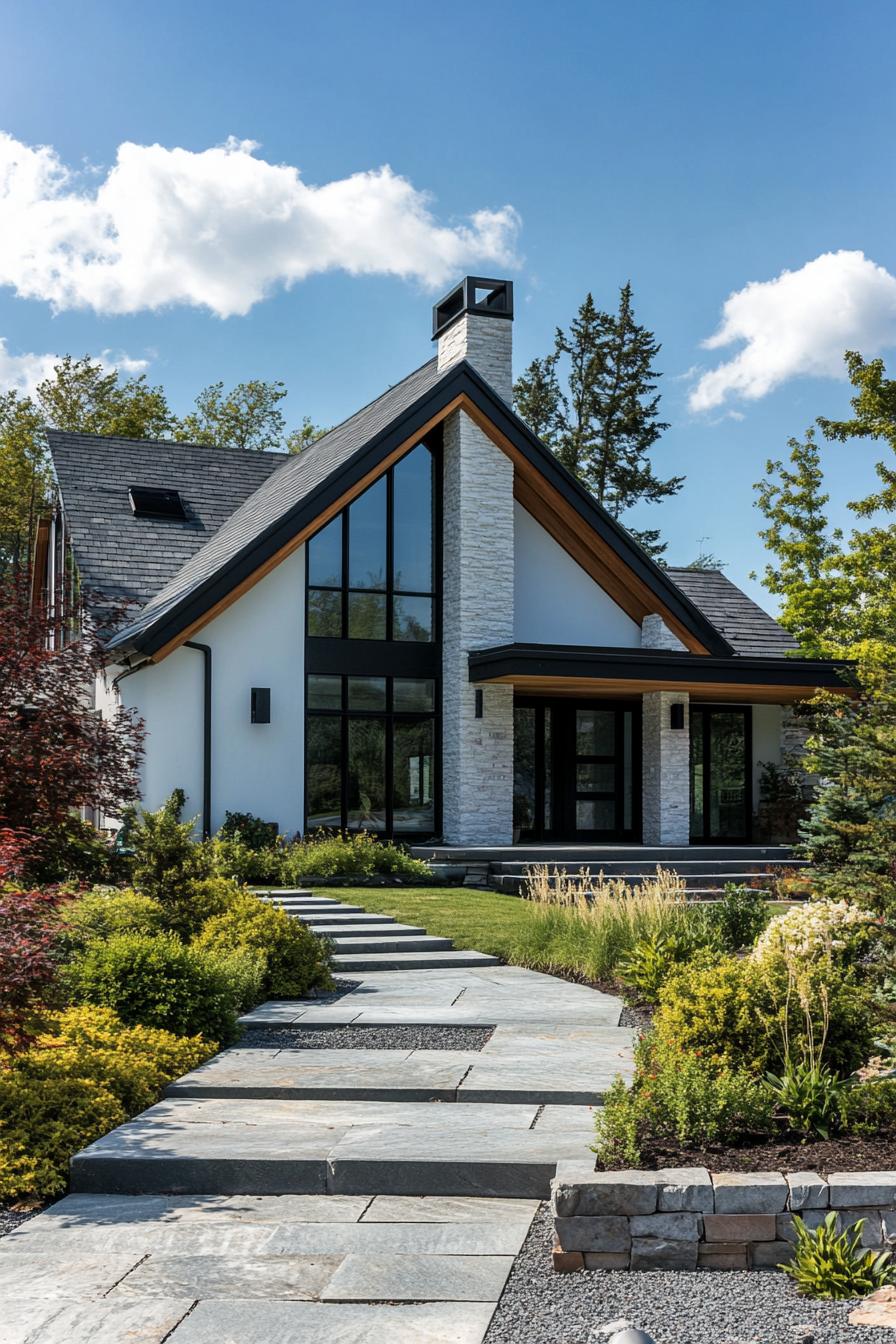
641 746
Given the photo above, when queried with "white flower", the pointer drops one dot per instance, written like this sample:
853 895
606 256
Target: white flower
811 931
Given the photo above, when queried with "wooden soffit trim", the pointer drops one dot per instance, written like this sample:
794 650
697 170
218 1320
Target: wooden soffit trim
590 551
618 688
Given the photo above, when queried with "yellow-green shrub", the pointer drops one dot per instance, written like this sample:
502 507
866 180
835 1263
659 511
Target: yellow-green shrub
85 1075
296 960
105 911
43 1120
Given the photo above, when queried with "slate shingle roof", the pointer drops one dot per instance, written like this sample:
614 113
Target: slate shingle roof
282 492
127 558
750 631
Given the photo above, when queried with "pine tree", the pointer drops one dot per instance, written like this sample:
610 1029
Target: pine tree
850 833
605 423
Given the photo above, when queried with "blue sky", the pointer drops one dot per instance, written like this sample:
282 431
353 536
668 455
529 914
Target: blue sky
691 147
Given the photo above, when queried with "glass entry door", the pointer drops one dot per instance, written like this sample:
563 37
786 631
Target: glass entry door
576 770
721 751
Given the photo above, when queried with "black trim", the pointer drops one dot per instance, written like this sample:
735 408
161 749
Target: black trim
498 302
206 652
460 380
559 660
372 657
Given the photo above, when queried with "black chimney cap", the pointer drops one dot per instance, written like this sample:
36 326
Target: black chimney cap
474 294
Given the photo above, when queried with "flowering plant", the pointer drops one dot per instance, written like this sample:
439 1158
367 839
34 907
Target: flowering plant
812 932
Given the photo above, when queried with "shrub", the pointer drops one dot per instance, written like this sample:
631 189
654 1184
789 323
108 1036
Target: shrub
678 1096
818 930
251 830
869 1108
167 859
809 1097
106 911
231 857
650 962
828 1263
741 1013
353 855
160 982
134 1063
296 960
87 1073
739 917
42 1122
72 851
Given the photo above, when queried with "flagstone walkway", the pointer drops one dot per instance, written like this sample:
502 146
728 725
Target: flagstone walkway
355 1196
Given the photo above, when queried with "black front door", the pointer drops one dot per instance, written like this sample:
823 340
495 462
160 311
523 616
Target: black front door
576 770
721 794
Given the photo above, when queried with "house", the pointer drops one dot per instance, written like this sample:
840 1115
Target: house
422 626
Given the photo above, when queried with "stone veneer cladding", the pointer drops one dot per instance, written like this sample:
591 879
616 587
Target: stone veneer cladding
477 754
665 752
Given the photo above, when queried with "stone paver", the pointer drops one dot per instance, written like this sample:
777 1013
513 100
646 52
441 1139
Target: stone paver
318 1195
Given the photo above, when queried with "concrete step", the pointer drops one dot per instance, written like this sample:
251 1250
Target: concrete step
597 855
366 929
209 1146
410 961
325 910
343 944
270 893
340 920
684 867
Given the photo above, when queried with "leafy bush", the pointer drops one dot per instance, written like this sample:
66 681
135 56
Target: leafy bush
832 1264
739 917
42 1122
160 982
84 1077
353 855
72 851
167 860
231 857
678 1096
869 1108
295 959
251 830
650 962
740 1013
105 911
134 1063
205 898
818 930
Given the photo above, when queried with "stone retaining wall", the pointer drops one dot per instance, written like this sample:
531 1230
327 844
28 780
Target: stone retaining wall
689 1218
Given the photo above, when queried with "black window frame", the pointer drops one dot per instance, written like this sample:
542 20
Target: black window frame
389 591
390 658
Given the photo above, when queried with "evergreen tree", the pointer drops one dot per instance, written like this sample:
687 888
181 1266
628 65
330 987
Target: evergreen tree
850 832
605 423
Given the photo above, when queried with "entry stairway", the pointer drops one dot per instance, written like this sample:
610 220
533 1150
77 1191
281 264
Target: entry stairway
704 869
365 942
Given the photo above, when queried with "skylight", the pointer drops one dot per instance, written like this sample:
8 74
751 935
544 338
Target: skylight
148 501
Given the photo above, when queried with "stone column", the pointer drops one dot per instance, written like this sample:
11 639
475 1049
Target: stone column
666 770
477 753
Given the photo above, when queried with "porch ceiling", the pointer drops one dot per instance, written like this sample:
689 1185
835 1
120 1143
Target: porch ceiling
544 669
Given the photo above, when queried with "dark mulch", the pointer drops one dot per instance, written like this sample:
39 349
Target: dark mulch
822 1155
11 1218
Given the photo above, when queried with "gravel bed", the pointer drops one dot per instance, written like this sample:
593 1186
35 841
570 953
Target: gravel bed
705 1307
641 1019
403 1037
13 1218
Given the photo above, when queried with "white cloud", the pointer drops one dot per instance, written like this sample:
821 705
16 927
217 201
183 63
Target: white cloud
218 229
22 373
799 324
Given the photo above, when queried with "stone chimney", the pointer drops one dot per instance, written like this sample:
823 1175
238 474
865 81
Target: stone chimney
475 322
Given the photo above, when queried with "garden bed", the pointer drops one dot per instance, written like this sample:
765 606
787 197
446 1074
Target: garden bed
845 1153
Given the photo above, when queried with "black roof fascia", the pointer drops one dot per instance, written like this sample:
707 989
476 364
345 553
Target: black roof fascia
563 660
460 379
624 545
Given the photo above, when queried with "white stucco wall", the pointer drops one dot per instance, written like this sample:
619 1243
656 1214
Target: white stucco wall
258 641
555 601
766 741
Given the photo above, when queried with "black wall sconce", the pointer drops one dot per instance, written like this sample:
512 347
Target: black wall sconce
676 716
478 703
261 704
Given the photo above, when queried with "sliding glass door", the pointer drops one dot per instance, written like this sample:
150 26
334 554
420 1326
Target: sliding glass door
721 751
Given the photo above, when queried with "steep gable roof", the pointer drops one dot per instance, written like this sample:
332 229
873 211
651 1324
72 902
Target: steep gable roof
123 558
291 504
750 631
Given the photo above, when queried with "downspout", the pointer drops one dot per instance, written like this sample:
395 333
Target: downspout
205 650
